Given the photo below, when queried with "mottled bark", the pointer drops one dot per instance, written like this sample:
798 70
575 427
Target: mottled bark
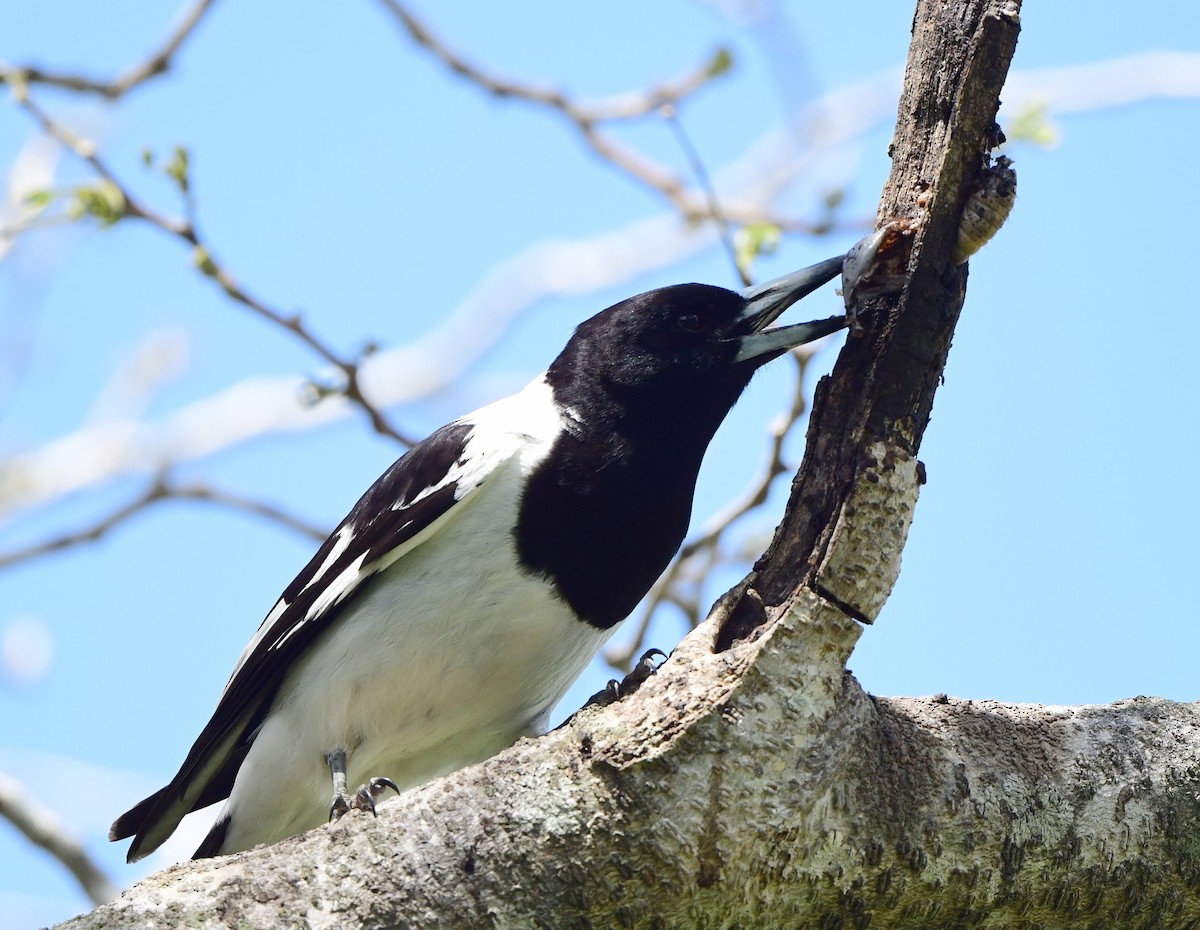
755 787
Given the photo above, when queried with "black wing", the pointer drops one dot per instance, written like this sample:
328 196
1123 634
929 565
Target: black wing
396 514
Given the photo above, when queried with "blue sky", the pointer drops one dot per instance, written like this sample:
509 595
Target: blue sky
342 172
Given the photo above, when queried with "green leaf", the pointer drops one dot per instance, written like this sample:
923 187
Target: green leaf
834 198
204 261
18 84
104 201
312 392
753 240
1033 125
39 200
177 168
721 62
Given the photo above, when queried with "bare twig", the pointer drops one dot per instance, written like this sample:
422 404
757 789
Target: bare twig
163 489
587 118
681 584
29 223
42 828
203 492
625 107
696 163
583 116
158 63
130 207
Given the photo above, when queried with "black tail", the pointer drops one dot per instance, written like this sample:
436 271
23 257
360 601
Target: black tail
134 820
166 808
214 840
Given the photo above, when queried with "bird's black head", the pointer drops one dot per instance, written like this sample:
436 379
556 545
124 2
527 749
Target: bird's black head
686 351
645 385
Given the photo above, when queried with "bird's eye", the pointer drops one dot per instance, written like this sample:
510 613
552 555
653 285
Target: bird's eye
689 322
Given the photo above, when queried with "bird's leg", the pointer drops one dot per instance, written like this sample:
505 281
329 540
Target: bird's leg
337 767
363 799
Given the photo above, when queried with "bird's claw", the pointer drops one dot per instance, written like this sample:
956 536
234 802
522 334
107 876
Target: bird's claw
363 799
338 807
642 669
615 690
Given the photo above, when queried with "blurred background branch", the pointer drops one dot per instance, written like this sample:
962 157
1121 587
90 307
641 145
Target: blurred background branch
157 64
160 490
42 828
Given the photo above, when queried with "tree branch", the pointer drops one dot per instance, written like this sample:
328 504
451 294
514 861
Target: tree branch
754 788
588 117
870 415
123 205
158 63
41 827
162 489
585 118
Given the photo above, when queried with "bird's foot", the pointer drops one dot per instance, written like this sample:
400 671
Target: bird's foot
615 690
362 800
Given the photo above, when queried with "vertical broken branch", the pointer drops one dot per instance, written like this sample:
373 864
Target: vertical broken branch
859 478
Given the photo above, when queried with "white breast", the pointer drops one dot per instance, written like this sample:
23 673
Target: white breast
434 664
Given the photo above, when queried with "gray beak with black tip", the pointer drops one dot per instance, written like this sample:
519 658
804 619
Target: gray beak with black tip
765 302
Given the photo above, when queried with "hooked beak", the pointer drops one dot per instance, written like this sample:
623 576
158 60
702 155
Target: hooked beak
764 304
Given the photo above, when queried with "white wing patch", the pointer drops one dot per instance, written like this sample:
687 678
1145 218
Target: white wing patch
345 536
451 476
263 629
334 592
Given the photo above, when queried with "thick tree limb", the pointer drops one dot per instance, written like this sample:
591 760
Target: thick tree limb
755 787
752 783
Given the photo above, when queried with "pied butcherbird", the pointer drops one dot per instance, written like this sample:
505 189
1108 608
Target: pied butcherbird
466 590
